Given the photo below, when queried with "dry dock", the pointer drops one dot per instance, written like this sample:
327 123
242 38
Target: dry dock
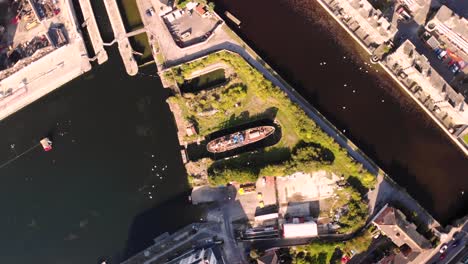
93 30
120 35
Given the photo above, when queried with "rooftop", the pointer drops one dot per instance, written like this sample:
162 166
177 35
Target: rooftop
393 223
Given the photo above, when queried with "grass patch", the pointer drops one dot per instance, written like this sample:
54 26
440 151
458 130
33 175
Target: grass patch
160 58
204 81
465 138
331 252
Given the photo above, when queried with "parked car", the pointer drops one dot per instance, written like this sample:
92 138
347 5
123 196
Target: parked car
442 55
465 260
454 68
443 249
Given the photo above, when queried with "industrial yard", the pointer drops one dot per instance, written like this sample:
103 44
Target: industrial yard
32 52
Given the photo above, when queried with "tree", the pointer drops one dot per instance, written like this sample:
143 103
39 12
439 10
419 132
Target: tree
254 254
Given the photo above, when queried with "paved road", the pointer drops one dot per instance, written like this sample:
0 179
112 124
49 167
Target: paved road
456 234
459 6
462 257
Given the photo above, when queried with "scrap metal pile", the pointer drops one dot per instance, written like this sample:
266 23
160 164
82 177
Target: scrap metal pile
46 8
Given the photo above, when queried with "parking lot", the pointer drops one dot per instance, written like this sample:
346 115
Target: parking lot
189 27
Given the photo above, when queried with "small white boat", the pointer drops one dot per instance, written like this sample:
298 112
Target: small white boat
46 144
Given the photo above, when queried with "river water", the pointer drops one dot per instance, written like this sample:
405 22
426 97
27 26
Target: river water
307 47
90 196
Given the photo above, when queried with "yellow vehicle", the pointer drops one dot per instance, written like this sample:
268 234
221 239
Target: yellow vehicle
31 25
260 196
261 204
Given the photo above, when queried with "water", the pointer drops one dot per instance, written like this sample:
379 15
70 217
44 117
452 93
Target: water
309 48
205 81
93 195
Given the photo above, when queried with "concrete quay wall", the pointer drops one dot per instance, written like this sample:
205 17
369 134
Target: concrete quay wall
389 72
93 30
118 27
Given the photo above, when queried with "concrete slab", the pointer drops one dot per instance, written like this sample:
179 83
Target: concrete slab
300 187
118 27
207 194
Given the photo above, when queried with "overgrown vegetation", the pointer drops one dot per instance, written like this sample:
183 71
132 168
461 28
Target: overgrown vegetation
352 208
183 3
330 252
249 96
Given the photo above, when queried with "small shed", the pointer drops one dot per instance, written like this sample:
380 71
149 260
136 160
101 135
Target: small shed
307 229
202 10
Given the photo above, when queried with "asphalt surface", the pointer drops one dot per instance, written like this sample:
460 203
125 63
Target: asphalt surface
460 238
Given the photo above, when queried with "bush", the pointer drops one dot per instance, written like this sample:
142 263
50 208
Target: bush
225 176
357 210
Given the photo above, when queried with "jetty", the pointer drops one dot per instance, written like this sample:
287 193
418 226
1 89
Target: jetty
121 37
93 31
234 19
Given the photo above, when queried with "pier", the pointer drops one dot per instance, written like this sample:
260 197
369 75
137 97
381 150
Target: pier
121 38
233 18
93 31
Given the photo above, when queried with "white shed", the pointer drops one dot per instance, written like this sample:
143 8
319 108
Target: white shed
191 5
307 229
